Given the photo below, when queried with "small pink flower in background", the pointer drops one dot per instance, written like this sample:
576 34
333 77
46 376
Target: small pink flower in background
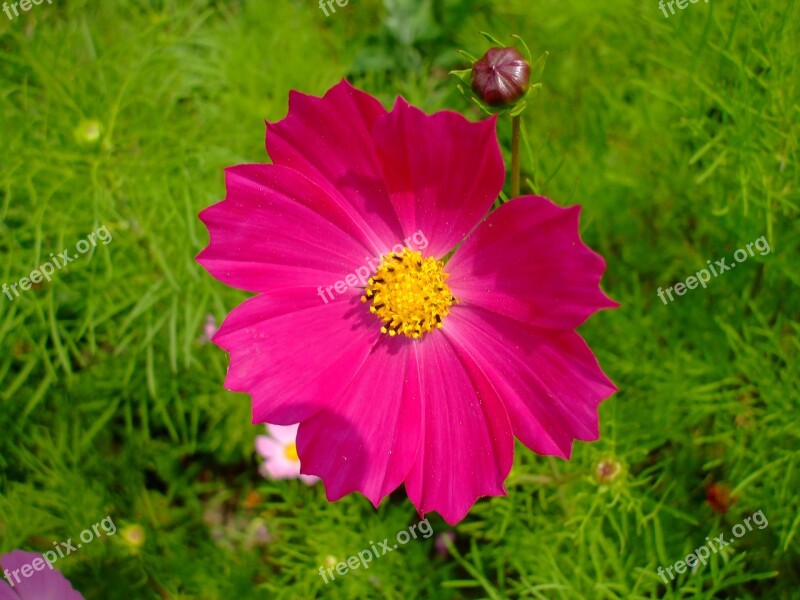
279 450
441 543
45 584
210 327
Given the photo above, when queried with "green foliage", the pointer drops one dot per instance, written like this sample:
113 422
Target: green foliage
678 136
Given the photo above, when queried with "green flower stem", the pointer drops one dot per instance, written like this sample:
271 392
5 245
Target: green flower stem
515 126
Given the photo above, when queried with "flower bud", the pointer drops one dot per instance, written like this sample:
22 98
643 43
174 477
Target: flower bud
88 132
501 76
133 536
607 470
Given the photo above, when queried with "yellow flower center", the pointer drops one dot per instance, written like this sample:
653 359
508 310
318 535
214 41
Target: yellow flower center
409 294
290 451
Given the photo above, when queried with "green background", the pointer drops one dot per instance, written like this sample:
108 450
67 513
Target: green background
679 136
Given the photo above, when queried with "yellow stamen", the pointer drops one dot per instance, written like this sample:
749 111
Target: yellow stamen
409 294
290 451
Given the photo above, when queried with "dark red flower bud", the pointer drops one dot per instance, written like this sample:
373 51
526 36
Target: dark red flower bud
501 76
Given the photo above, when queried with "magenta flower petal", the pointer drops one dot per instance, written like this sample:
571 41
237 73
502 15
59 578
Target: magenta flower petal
371 431
467 445
292 353
277 230
47 584
6 593
443 172
550 382
330 141
527 261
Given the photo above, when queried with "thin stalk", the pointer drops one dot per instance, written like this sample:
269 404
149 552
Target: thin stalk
515 127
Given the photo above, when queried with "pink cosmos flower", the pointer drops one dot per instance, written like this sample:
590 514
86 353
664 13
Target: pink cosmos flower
46 583
424 373
209 329
279 450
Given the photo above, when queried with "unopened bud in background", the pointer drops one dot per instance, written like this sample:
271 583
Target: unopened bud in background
501 76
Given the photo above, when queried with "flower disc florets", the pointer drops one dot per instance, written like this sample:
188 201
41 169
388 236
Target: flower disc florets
409 294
